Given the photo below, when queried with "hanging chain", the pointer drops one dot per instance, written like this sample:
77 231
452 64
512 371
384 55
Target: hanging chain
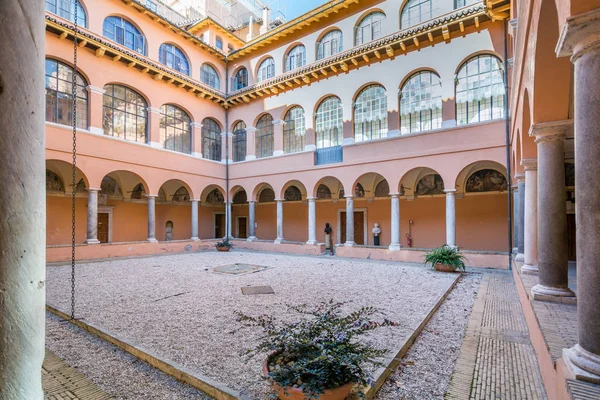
74 171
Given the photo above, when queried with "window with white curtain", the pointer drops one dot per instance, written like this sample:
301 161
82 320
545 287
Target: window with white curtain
266 70
329 123
421 103
294 130
369 28
330 44
370 114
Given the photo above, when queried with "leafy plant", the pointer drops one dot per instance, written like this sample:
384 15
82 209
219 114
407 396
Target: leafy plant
448 255
224 243
319 351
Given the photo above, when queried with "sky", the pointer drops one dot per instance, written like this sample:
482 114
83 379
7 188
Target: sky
294 8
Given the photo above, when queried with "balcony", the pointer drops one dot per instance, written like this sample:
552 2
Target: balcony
329 155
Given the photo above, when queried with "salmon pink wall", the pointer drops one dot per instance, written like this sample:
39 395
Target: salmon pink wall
58 219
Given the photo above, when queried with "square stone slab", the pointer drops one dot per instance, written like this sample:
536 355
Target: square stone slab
257 290
238 269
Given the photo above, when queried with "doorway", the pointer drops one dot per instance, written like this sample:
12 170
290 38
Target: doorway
219 225
359 227
242 230
103 227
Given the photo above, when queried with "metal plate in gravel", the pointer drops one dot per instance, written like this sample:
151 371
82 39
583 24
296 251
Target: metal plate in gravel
257 290
238 268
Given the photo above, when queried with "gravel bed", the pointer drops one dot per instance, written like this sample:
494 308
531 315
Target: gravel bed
425 371
176 306
111 369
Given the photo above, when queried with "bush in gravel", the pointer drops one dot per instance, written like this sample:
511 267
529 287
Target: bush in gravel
319 351
447 255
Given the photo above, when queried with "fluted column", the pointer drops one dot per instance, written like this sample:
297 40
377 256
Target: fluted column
312 221
349 221
520 236
530 241
195 220
450 217
152 218
92 220
252 220
395 222
553 262
279 238
581 39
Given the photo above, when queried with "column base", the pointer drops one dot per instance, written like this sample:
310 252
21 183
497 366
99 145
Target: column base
585 366
395 247
152 240
278 240
251 239
520 257
349 244
312 242
552 294
92 241
528 269
195 239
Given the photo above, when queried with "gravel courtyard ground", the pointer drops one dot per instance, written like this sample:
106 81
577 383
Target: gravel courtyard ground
179 308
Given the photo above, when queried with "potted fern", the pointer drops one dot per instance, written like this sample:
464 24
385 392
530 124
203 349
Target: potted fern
317 356
224 245
446 259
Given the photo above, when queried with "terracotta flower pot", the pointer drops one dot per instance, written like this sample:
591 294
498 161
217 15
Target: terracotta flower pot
339 393
223 248
444 268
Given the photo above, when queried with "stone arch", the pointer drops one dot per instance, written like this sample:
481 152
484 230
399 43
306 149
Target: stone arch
129 183
63 170
332 183
293 183
482 176
368 182
236 189
212 193
421 181
172 186
259 188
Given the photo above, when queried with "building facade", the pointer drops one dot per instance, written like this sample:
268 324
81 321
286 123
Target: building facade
356 113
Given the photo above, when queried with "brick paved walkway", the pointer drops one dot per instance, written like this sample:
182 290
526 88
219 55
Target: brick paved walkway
63 382
497 360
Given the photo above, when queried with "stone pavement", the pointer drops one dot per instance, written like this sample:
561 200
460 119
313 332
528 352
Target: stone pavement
63 382
497 360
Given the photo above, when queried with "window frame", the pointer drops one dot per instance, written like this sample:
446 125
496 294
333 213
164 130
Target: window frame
209 76
368 23
295 58
126 30
265 136
330 44
422 16
266 70
292 141
178 58
56 9
432 91
127 114
185 119
323 128
365 130
59 96
211 139
244 79
239 141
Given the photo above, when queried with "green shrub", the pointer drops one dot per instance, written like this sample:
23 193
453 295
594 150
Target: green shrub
224 243
446 255
319 351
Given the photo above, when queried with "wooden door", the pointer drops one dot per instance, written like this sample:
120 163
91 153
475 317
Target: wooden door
242 234
103 227
359 227
571 235
219 226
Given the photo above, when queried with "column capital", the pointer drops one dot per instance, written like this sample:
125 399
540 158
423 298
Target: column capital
551 131
151 196
278 122
196 125
311 198
279 200
195 200
580 34
250 129
394 195
520 178
93 189
94 89
153 110
251 201
349 196
450 191
530 164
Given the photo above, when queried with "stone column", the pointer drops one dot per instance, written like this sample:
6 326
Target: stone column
251 220
450 217
530 241
250 143
228 220
312 220
521 219
278 137
581 39
515 220
152 217
553 262
279 238
92 220
349 221
96 105
195 220
395 237
23 203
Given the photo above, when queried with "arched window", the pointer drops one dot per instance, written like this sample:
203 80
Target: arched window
175 129
266 70
415 12
124 114
480 90
219 43
486 180
211 140
267 195
53 182
292 193
66 10
369 28
241 79
421 103
123 32
59 95
296 58
239 142
209 76
330 44
240 197
382 189
293 130
264 136
329 123
174 58
323 192
215 197
370 114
